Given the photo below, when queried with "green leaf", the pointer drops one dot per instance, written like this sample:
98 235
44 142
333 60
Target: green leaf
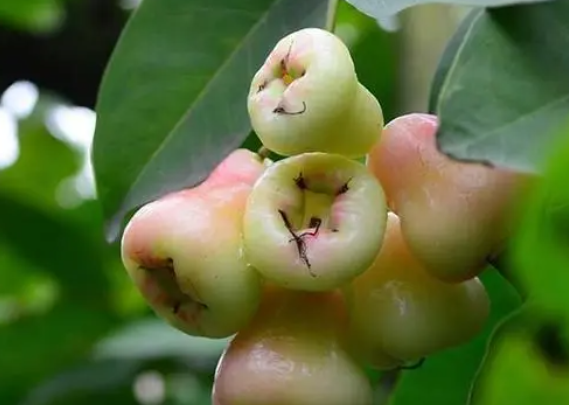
502 93
446 378
172 103
382 8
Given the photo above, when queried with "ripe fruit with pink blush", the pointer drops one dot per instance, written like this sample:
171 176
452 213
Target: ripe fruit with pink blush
306 98
399 309
292 353
314 221
183 252
454 215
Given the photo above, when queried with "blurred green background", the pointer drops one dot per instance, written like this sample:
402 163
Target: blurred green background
72 328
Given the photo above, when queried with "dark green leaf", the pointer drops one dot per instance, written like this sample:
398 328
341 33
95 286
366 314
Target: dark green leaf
446 378
505 91
381 8
173 101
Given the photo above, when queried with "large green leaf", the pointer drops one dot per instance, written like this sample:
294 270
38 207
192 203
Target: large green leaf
172 103
382 8
502 90
446 378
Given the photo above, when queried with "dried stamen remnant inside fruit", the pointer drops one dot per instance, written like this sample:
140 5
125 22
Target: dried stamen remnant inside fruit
307 98
314 221
161 286
184 252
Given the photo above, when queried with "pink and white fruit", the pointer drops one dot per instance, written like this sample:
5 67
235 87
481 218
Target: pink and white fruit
399 309
454 215
314 221
306 98
183 252
292 353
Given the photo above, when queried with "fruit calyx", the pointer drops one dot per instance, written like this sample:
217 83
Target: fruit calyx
278 78
309 216
162 284
316 213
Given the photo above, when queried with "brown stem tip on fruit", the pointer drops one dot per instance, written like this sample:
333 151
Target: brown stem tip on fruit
307 98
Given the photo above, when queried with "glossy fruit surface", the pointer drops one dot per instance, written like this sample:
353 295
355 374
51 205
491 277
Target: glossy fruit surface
292 353
454 215
399 309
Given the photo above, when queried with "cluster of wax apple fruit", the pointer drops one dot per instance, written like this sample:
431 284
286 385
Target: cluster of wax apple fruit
318 263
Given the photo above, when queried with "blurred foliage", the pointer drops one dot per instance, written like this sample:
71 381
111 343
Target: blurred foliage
35 15
527 362
528 358
542 256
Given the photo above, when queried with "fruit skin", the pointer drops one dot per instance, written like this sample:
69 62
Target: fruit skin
454 215
292 353
306 98
340 192
183 252
399 309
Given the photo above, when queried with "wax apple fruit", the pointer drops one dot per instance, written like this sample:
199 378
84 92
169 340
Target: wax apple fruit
454 215
292 353
400 310
314 221
183 252
306 98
